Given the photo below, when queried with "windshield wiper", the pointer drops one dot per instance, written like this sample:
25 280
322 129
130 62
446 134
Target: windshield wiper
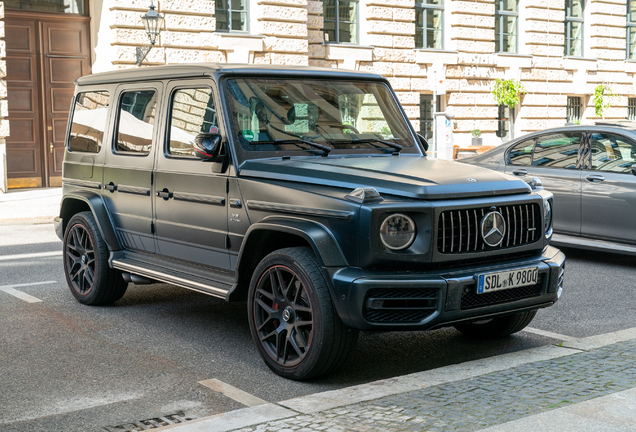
368 140
324 148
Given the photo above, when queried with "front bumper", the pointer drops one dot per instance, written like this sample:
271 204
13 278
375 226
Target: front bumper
58 224
383 300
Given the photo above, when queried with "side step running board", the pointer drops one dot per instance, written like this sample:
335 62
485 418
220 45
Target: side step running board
214 288
595 245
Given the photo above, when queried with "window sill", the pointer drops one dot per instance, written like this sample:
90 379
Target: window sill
240 47
431 56
348 55
516 55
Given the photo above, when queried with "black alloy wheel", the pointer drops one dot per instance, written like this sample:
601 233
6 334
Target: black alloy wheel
88 275
293 320
283 315
80 259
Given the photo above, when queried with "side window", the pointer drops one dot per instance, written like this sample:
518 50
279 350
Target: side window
558 150
137 110
192 113
612 153
521 154
89 122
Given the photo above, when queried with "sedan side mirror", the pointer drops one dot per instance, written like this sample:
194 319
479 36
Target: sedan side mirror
207 146
423 141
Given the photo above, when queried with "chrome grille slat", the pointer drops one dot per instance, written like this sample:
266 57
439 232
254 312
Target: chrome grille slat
456 228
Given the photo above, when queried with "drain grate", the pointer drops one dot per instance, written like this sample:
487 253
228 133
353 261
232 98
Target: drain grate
152 423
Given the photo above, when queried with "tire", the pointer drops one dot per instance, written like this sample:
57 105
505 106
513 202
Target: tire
497 327
88 275
293 321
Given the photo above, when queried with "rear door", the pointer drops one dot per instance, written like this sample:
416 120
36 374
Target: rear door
609 189
555 159
128 164
190 194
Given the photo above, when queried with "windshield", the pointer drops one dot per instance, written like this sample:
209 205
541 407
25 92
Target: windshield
300 117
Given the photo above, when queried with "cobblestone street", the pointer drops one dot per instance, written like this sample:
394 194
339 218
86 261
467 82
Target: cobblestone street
483 401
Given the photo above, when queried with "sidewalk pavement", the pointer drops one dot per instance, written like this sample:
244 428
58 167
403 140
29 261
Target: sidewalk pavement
30 206
580 385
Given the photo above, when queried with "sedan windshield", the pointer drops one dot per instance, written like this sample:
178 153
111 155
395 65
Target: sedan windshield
300 117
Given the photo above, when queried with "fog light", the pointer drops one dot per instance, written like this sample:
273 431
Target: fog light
559 292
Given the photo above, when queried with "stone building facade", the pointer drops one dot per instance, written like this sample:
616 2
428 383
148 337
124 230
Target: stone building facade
442 52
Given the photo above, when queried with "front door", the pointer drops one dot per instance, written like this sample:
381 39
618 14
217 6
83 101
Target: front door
191 206
45 54
608 195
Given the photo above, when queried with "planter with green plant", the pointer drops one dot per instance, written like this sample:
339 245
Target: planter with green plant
507 92
476 133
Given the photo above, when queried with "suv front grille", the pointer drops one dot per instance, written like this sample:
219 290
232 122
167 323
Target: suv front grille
399 305
459 231
471 300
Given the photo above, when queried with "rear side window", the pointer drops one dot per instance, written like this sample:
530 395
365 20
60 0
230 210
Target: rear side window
557 150
612 153
521 154
192 113
89 122
135 122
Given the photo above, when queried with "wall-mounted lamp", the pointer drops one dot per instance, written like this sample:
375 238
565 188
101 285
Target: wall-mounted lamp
153 21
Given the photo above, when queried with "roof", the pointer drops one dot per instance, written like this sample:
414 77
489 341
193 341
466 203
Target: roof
193 70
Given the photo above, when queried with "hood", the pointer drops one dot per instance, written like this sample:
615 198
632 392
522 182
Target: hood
407 176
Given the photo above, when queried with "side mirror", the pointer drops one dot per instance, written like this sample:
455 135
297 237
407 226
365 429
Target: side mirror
207 146
634 169
423 141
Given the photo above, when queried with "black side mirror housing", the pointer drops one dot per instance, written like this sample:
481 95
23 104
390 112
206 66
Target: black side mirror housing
207 146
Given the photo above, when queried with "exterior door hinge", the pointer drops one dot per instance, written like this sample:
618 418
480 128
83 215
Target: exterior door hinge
152 178
227 242
152 227
227 185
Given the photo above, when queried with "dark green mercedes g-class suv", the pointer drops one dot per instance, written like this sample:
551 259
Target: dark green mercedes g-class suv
305 192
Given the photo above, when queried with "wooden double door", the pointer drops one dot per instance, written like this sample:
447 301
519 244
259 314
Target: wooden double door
45 54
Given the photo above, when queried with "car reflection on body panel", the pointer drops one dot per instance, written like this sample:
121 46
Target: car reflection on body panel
590 170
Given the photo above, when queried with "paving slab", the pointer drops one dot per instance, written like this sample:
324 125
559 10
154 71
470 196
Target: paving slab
32 206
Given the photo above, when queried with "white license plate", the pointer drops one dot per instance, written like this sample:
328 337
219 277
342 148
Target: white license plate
489 282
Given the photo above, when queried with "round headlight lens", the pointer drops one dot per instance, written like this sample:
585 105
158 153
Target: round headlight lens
547 216
397 231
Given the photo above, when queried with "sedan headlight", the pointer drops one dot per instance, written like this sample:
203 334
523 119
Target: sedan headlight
547 216
397 232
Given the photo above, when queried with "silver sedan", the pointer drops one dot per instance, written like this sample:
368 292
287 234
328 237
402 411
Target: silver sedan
592 173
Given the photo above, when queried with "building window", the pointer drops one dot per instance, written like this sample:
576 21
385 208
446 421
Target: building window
631 29
631 109
231 15
574 110
574 28
506 25
341 27
429 24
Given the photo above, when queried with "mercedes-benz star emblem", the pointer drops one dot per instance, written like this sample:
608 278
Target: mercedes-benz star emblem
470 179
493 228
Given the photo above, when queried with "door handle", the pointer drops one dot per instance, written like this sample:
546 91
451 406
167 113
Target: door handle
520 172
111 187
593 178
165 194
50 147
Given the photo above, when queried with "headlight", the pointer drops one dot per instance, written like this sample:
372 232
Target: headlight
547 216
397 231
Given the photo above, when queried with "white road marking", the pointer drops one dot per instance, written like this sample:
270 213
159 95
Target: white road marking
233 393
10 289
549 334
30 255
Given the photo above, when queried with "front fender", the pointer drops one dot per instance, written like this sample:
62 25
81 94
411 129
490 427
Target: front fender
321 240
96 204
